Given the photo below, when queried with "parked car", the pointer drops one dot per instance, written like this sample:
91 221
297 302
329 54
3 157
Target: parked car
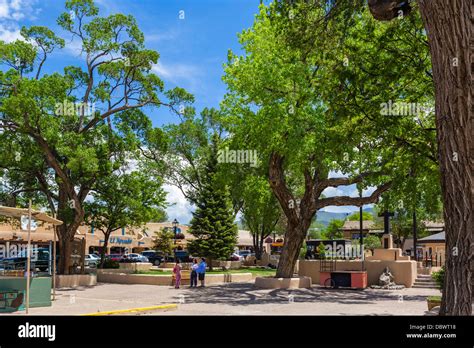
153 256
245 253
114 257
236 257
133 258
41 261
182 256
91 260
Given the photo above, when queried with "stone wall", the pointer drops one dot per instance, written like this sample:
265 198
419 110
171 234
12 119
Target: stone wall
227 264
128 278
75 280
404 271
135 266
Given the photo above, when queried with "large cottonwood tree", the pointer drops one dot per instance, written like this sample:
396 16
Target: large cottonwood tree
84 122
299 97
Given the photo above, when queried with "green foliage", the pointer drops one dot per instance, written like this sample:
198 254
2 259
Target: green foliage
213 221
315 234
123 199
365 216
372 242
332 230
164 241
108 263
303 251
63 134
260 209
321 251
439 277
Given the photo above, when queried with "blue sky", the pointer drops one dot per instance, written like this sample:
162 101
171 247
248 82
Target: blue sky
192 51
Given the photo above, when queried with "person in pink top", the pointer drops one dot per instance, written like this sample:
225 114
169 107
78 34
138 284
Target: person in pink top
177 274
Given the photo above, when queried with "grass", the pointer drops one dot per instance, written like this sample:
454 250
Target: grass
255 272
434 298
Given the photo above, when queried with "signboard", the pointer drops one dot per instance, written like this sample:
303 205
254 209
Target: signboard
119 240
24 223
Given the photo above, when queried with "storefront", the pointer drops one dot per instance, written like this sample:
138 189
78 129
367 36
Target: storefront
125 240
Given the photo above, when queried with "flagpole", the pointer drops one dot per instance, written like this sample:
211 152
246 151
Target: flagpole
28 260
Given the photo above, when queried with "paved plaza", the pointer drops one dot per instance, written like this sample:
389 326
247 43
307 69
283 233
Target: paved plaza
238 299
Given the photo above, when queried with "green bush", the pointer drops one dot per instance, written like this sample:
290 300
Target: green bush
439 277
108 263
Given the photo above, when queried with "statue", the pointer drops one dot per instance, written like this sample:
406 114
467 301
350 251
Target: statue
386 281
386 278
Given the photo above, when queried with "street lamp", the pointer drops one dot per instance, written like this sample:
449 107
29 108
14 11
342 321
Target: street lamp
175 227
175 230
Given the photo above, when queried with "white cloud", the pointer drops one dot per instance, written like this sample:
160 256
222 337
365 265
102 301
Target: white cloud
73 47
178 73
332 191
181 209
14 10
337 209
161 36
9 33
344 209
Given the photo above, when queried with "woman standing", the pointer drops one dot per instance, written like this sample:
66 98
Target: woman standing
194 275
177 274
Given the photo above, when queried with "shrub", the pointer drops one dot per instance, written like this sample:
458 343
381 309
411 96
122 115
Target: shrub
439 277
108 263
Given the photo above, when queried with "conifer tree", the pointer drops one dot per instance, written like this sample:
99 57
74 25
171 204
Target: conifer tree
213 221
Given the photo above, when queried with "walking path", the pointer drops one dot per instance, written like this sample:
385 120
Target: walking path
238 299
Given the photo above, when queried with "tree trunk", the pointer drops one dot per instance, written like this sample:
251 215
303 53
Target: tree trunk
210 264
104 249
448 25
65 249
67 230
259 251
294 238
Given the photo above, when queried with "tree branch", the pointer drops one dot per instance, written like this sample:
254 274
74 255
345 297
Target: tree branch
357 201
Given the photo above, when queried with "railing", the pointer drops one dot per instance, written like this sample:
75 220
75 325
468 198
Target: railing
432 260
327 265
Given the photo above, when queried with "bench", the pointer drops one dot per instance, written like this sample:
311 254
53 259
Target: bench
185 275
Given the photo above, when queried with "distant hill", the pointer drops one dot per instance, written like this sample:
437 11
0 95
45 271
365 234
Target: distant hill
325 217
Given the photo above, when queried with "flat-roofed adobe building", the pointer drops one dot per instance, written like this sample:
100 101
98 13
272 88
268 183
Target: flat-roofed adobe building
351 229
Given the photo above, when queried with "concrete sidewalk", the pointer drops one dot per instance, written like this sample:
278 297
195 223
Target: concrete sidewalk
238 299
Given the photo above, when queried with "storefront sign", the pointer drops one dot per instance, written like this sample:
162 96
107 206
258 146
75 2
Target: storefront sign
119 240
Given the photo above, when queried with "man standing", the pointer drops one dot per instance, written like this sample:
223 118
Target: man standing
201 270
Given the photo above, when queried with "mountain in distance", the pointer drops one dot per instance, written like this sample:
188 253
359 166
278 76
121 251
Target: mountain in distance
325 217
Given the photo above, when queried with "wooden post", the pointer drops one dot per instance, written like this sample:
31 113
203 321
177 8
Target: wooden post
54 261
28 260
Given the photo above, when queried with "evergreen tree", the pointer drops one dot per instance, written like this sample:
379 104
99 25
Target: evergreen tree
213 221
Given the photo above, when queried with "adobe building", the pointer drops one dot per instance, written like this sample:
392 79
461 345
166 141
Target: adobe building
351 229
121 241
124 240
433 248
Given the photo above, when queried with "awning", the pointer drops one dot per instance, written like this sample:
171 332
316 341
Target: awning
37 215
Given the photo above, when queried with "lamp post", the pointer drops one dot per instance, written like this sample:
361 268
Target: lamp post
175 230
